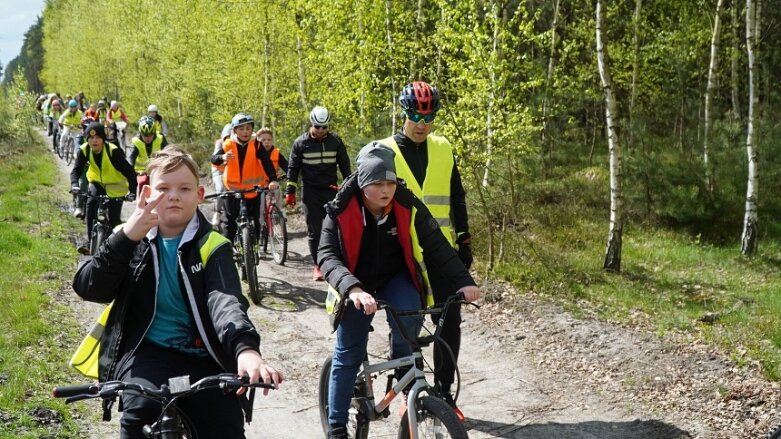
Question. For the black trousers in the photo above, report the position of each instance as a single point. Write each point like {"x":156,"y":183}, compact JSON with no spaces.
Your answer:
{"x":314,"y":200}
{"x":444,"y":364}
{"x":212,"y":414}
{"x":232,"y":207}
{"x":114,"y":208}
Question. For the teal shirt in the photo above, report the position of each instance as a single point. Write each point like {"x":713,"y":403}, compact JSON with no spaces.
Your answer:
{"x":173,"y":326}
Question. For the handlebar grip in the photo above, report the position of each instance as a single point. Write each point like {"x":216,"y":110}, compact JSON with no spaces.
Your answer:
{"x":81,"y":389}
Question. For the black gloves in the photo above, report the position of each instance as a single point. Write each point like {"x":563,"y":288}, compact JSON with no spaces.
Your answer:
{"x":464,"y":242}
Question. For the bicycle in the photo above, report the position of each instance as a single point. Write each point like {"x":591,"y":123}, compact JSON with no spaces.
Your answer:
{"x":68,"y":143}
{"x":426,"y":416}
{"x":245,"y":242}
{"x":273,"y":228}
{"x":172,"y":423}
{"x":101,"y":228}
{"x":56,"y":137}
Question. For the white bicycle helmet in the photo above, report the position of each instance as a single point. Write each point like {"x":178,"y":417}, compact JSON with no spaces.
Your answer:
{"x":226,"y":131}
{"x":152,"y":108}
{"x":320,"y":116}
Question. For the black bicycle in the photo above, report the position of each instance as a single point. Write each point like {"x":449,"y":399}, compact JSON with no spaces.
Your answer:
{"x":245,"y":244}
{"x":56,"y":137}
{"x":101,"y":227}
{"x":427,"y":414}
{"x":171,"y":424}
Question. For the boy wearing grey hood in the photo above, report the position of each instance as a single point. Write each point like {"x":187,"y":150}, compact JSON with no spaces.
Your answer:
{"x":377,"y":238}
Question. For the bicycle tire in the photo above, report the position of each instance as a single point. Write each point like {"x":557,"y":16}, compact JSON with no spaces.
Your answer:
{"x":251,"y":265}
{"x":69,"y":151}
{"x":277,"y":235}
{"x":56,"y":142}
{"x":60,"y":149}
{"x":357,"y":424}
{"x":436,"y":419}
{"x":775,"y":433}
{"x":98,"y":236}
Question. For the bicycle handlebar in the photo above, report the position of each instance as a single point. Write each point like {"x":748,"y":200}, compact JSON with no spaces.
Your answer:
{"x":110,"y":389}
{"x":236,"y":193}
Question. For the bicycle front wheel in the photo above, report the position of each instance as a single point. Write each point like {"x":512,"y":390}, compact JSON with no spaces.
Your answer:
{"x":775,"y":433}
{"x":436,"y":419}
{"x":250,"y":264}
{"x":278,"y":235}
{"x":357,"y":424}
{"x":98,"y":236}
{"x":69,"y":151}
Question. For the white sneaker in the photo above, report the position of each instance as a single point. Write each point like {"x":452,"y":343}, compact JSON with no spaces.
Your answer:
{"x":78,"y":213}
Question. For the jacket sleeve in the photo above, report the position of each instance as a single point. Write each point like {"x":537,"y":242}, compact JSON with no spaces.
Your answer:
{"x":458,"y":202}
{"x":97,"y":278}
{"x":133,"y":155}
{"x":78,"y":168}
{"x":437,"y":252}
{"x":227,"y":305}
{"x":331,"y":260}
{"x":293,"y":167}
{"x":343,"y":159}
{"x":283,"y":165}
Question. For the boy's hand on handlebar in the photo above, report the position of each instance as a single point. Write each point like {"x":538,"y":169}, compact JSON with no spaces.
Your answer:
{"x":362,"y":299}
{"x":471,"y":293}
{"x":251,"y":364}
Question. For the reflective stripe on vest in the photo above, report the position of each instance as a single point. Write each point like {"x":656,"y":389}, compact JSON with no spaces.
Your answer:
{"x":319,"y":158}
{"x":435,"y":192}
{"x":417,"y":254}
{"x":143,"y":158}
{"x":106,"y":175}
{"x":85,"y":359}
{"x":249,"y":175}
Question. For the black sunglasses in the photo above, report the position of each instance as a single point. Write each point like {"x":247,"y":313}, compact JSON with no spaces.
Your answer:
{"x":320,"y":127}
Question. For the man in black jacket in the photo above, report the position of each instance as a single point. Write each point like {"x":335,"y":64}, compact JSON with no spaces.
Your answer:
{"x":315,"y":155}
{"x":177,"y":304}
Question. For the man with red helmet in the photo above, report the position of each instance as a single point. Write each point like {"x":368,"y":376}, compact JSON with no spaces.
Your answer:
{"x":427,"y":164}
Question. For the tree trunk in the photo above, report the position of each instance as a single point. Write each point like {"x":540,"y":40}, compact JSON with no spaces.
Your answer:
{"x":546,"y":148}
{"x":388,"y":34}
{"x":749,"y":240}
{"x":301,"y":73}
{"x":613,"y":251}
{"x":635,"y":68}
{"x":734,"y":76}
{"x":266,"y":68}
{"x":413,"y":60}
{"x":491,"y":97}
{"x":714,"y":56}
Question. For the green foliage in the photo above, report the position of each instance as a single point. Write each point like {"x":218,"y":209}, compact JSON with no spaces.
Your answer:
{"x":35,"y":262}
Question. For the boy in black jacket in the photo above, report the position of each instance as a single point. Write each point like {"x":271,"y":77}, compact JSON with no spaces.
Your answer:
{"x":375,"y":239}
{"x":178,"y":308}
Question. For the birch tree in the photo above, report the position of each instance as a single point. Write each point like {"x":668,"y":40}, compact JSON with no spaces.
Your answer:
{"x":714,"y":56}
{"x":749,"y":240}
{"x":613,"y":251}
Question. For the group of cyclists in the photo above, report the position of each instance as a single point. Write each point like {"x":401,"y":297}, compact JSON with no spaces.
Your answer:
{"x":395,"y":228}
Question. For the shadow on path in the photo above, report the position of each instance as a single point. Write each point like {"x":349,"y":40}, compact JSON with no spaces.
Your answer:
{"x":279,"y":295}
{"x":636,"y":429}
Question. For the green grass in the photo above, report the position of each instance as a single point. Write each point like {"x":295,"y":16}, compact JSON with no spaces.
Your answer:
{"x":669,"y":279}
{"x":36,"y":261}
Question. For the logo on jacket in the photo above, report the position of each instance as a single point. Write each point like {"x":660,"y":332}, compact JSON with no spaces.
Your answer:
{"x":196,"y":268}
{"x":393,"y":231}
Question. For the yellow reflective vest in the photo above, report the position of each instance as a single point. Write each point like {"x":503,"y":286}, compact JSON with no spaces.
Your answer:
{"x":143,"y":158}
{"x":106,"y":174}
{"x":435,"y":192}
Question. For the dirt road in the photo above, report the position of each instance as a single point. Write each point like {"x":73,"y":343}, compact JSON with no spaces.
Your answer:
{"x":530,"y":370}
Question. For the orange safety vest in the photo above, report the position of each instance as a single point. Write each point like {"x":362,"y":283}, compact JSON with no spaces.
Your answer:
{"x":274,"y":156}
{"x":249,"y":175}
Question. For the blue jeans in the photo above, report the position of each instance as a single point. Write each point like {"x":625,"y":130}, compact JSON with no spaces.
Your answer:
{"x":352,"y":335}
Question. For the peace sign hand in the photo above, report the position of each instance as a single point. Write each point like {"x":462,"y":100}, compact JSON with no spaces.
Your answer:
{"x":144,"y":217}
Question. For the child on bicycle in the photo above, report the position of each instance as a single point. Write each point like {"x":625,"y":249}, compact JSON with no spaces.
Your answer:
{"x":376,"y":239}
{"x":266,"y":138}
{"x":178,"y":307}
{"x":108,"y":173}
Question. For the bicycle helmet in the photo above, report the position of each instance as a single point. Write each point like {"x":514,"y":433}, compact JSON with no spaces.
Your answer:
{"x":101,"y":104}
{"x":146,"y":126}
{"x":242,"y":119}
{"x":73,"y":104}
{"x":152,"y":108}
{"x":226,"y":131}
{"x":114,"y":104}
{"x":319,"y":116}
{"x":420,"y":98}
